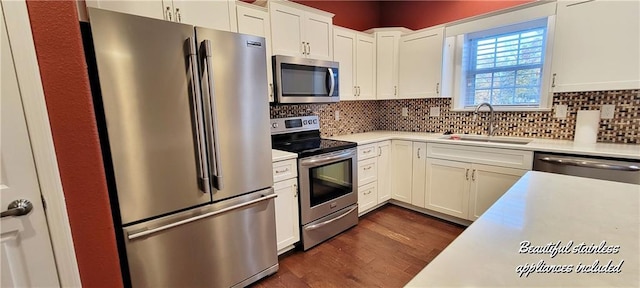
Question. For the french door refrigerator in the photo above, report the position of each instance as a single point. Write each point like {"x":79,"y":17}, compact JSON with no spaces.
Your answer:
{"x":182,"y":112}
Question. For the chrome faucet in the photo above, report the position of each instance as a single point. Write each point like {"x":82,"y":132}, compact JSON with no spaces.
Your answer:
{"x":491,"y":129}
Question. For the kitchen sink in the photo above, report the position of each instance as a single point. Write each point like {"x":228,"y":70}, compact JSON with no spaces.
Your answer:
{"x":493,"y":139}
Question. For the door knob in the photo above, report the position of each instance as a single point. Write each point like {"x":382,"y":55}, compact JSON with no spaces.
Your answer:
{"x":18,"y":208}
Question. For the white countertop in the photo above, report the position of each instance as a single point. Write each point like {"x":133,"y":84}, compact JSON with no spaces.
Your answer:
{"x":277,"y":155}
{"x":628,"y":151}
{"x":545,"y":208}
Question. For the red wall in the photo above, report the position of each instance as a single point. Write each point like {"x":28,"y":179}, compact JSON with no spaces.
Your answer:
{"x":357,"y":15}
{"x":421,"y":14}
{"x":56,"y":34}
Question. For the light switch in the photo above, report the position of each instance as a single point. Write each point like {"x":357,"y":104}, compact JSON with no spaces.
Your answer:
{"x":405,"y":111}
{"x":434,"y":112}
{"x":561,"y":111}
{"x":607,"y":111}
{"x":336,"y":115}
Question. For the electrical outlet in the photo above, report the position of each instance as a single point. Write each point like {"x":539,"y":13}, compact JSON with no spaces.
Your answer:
{"x":434,"y":112}
{"x":405,"y":111}
{"x":607,"y":111}
{"x":561,"y":111}
{"x":336,"y":115}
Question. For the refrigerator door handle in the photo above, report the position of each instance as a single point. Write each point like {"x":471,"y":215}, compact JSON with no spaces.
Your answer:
{"x":215,"y":142}
{"x":203,"y":166}
{"x":206,"y":215}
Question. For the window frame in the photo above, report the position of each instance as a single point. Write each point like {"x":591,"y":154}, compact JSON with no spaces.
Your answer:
{"x":460,"y":60}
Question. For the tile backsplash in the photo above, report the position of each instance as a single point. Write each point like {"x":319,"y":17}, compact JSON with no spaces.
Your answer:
{"x":364,"y":116}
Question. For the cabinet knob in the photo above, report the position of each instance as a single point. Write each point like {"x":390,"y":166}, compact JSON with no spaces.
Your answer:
{"x":553,"y":81}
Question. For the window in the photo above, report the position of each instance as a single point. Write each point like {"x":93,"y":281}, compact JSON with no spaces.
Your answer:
{"x":505,"y":69}
{"x":503,"y":59}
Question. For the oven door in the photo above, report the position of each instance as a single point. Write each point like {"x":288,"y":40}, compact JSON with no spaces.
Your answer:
{"x":327,"y":184}
{"x":301,"y":80}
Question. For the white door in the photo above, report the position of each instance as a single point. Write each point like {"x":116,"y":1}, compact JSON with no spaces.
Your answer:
{"x":318,"y":32}
{"x":387,"y":65}
{"x":401,"y":163}
{"x":344,"y":44}
{"x":488,"y":184}
{"x":448,"y":187}
{"x":287,"y":225}
{"x":286,"y":30}
{"x":149,"y":8}
{"x":219,"y":14}
{"x":384,"y":176}
{"x":256,"y":22}
{"x":366,"y":67}
{"x":420,"y":64}
{"x":25,"y":246}
{"x":419,"y":168}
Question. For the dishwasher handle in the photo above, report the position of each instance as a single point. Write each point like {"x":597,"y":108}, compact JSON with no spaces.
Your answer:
{"x":589,"y":164}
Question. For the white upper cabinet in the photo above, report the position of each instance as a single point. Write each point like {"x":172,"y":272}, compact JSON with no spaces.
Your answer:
{"x":420,"y":63}
{"x":596,"y":46}
{"x":219,"y":14}
{"x":344,"y":52}
{"x":387,"y":64}
{"x":355,"y":52}
{"x":151,"y":9}
{"x":366,"y":67}
{"x":254,"y":20}
{"x":298,"y":32}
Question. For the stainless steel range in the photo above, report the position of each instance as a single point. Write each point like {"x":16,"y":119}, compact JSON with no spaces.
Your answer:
{"x":327,"y":177}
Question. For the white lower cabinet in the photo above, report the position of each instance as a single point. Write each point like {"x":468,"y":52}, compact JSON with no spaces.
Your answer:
{"x":401,"y":170}
{"x":466,"y":189}
{"x":448,"y":187}
{"x":418,"y":168}
{"x":374,"y":181}
{"x":286,"y":205}
{"x":488,"y":184}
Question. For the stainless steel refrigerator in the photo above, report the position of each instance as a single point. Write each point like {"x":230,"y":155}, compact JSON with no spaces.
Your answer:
{"x":183,"y":112}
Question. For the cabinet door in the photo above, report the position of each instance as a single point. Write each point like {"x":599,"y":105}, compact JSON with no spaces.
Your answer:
{"x":418,"y":181}
{"x":344,"y":43}
{"x":366,"y":67}
{"x":384,"y":175}
{"x":286,"y":30}
{"x":488,"y":183}
{"x":219,"y":15}
{"x":387,"y":65}
{"x":401,"y":163}
{"x":367,"y":197}
{"x":153,"y":8}
{"x":318,"y":32}
{"x":254,"y":21}
{"x":420,"y":64}
{"x":602,"y":54}
{"x":286,"y":204}
{"x":367,"y":171}
{"x":448,"y":187}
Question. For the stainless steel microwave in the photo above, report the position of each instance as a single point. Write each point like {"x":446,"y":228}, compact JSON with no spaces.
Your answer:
{"x":302,"y":80}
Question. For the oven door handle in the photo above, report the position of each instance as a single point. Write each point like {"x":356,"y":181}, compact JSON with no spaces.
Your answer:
{"x":320,"y":225}
{"x":328,"y":159}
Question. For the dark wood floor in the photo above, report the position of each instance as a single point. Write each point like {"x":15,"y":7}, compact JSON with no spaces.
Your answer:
{"x":386,"y":249}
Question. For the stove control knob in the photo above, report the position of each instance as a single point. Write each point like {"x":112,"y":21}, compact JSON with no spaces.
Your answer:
{"x":274,"y":125}
{"x":315,"y":121}
{"x":304,"y":122}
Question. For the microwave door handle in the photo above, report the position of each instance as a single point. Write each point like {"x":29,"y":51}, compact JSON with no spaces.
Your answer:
{"x":196,"y":95}
{"x":332,"y":81}
{"x":215,"y":142}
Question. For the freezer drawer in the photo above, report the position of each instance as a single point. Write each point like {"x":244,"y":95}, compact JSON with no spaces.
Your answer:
{"x":221,"y":245}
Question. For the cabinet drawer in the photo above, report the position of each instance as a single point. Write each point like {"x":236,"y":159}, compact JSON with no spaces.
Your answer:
{"x":367,"y":197}
{"x":490,"y":156}
{"x":366,"y":151}
{"x":283,"y":170}
{"x":367,"y":171}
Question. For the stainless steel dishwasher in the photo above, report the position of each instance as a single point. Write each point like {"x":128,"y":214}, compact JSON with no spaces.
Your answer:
{"x":620,"y":170}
